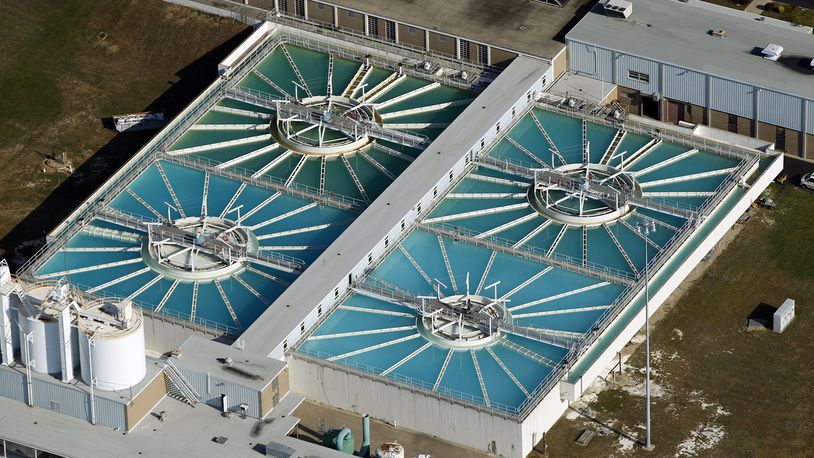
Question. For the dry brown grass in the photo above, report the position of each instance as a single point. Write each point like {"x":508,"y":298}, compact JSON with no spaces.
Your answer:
{"x":741,"y":393}
{"x":59,"y":78}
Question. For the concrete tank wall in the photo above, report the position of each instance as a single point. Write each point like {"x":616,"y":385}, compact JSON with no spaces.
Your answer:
{"x":405,"y":407}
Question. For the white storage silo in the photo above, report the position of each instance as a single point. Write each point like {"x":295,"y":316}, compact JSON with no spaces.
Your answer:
{"x":43,"y":346}
{"x":40,"y":321}
{"x":116,"y":358}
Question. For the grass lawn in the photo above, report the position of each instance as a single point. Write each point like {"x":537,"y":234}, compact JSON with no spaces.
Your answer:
{"x":792,"y":13}
{"x":720,"y":390}
{"x":66,"y":65}
{"x":736,"y":4}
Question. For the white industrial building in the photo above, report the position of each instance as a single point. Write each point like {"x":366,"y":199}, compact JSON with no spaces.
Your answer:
{"x":699,"y":63}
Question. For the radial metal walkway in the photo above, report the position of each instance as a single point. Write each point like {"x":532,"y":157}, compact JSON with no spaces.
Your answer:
{"x":315,"y":116}
{"x":551,"y":179}
{"x":425,"y":306}
{"x":204,"y":243}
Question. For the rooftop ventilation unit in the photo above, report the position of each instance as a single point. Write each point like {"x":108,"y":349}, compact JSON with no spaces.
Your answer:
{"x":772,"y":52}
{"x":619,"y":8}
{"x":720,"y":33}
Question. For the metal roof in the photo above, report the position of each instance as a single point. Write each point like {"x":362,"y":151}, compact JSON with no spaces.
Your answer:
{"x":202,"y":355}
{"x":188,"y":432}
{"x":678,"y":33}
{"x":531,"y":28}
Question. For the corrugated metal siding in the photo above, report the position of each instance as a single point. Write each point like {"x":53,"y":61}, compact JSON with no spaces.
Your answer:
{"x":197,"y":380}
{"x":72,"y":402}
{"x":780,"y":109}
{"x":810,"y":127}
{"x":236,"y":394}
{"x":12,"y":384}
{"x":731,"y":97}
{"x":590,"y":60}
{"x":685,"y":85}
{"x":111,"y":413}
{"x":626,"y":63}
{"x":61,"y":398}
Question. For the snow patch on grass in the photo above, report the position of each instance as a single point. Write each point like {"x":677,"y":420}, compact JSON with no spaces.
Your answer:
{"x":705,"y":436}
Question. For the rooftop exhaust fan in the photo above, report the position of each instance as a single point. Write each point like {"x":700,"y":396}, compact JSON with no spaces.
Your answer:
{"x":720,"y":33}
{"x":619,"y":8}
{"x":772,"y":52}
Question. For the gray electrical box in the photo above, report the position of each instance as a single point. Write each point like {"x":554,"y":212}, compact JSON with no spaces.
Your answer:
{"x":279,"y":450}
{"x":783,"y":316}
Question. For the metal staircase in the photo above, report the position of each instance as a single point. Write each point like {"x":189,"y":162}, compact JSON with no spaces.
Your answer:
{"x":628,"y":161}
{"x":205,"y":194}
{"x":330,"y":84}
{"x":194,"y":302}
{"x":358,"y":79}
{"x":617,"y":139}
{"x":178,"y":386}
{"x":381,"y":88}
{"x":322,"y":165}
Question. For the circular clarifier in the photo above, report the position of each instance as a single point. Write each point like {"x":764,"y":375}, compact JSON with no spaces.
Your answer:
{"x":465,"y":321}
{"x":198,"y":248}
{"x":584,"y":194}
{"x":315,"y":137}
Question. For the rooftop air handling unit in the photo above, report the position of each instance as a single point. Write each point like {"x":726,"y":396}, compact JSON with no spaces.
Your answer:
{"x":772,"y":52}
{"x":618,"y":8}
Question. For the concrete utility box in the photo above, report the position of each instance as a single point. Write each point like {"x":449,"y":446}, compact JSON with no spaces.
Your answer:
{"x":279,"y":450}
{"x":568,"y":391}
{"x":783,"y":316}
